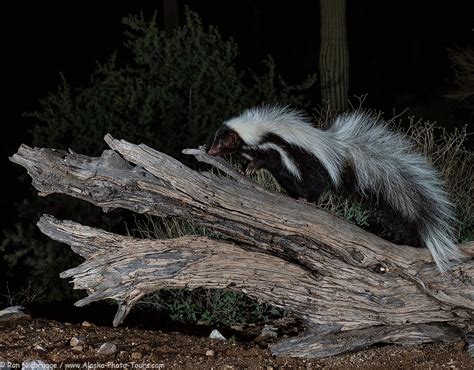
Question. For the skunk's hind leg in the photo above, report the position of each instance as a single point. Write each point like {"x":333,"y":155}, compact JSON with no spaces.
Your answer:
{"x":398,"y":230}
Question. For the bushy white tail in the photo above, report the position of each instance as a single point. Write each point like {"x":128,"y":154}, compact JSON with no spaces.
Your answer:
{"x":385,"y":164}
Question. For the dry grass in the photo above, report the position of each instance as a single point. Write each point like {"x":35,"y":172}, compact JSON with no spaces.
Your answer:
{"x":451,"y":157}
{"x":154,"y":227}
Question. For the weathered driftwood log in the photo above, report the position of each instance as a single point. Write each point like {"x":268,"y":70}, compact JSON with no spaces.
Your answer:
{"x":351,"y":288}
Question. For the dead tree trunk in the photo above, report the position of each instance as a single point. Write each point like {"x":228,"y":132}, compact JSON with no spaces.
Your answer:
{"x":351,"y":288}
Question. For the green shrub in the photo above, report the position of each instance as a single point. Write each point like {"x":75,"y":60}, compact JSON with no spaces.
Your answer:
{"x":173,"y":94}
{"x":213,"y":306}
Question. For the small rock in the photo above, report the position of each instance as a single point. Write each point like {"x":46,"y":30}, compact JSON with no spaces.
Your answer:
{"x":470,"y":344}
{"x":35,"y":365}
{"x":75,"y":341}
{"x":107,"y":349}
{"x":210,"y":353}
{"x":270,"y":368}
{"x":459,"y":346}
{"x":215,"y":334}
{"x":269,"y":331}
{"x":247,"y":329}
{"x":470,"y":350}
{"x":78,"y":348}
{"x":136,"y":356}
{"x":144,"y":348}
{"x":38,"y":348}
{"x":238,"y":327}
{"x":13,"y":313}
{"x":123,"y":355}
{"x":87,"y":324}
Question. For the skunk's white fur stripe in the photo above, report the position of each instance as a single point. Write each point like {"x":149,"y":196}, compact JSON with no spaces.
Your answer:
{"x":383,"y":162}
{"x":247,"y":156}
{"x":255,"y":123}
{"x":285,"y":159}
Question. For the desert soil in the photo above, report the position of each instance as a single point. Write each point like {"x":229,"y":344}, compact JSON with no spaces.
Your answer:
{"x":50,"y":341}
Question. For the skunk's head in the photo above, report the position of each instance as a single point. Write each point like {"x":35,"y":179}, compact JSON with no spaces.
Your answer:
{"x":226,"y":141}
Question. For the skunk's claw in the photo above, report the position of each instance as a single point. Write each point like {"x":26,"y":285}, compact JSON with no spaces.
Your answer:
{"x":250,"y":171}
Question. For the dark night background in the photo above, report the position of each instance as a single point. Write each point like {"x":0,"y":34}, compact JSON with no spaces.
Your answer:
{"x":398,"y":54}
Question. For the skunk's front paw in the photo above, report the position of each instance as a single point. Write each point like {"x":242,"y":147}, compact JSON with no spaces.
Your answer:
{"x":249,"y":169}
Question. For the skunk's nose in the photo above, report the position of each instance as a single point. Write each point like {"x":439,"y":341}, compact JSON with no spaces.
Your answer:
{"x":213,"y":150}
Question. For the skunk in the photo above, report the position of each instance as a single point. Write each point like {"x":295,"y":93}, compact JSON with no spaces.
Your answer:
{"x":357,"y":153}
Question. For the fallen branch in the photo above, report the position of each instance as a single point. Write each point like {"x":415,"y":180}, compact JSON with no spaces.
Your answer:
{"x":351,"y":288}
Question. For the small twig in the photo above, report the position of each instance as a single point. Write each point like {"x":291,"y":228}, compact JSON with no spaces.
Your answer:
{"x":218,"y":162}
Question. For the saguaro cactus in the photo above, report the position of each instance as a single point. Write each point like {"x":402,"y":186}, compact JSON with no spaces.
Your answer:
{"x":334,"y":54}
{"x":170,"y":15}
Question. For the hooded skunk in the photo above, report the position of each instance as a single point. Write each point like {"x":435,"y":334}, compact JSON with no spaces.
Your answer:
{"x":306,"y":161}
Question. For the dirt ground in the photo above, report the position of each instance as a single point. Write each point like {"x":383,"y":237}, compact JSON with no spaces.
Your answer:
{"x":50,"y":341}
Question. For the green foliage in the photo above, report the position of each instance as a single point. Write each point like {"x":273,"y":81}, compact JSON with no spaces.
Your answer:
{"x":466,"y":228}
{"x":215,"y":307}
{"x":352,"y":210}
